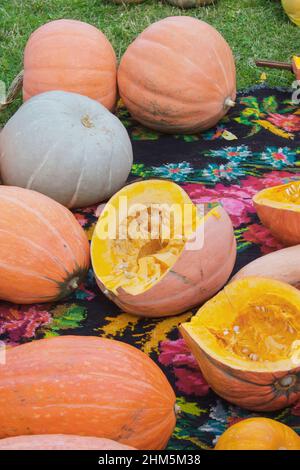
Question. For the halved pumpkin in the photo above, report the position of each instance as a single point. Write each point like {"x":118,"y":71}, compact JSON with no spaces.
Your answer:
{"x":279,"y":210}
{"x":247,"y":343}
{"x":164,"y":257}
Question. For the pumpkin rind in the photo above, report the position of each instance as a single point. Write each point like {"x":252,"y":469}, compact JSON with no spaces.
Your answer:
{"x":86,"y":386}
{"x":279,"y":210}
{"x":282,"y":265}
{"x":199,"y":271}
{"x":253,"y":385}
{"x":78,"y":153}
{"x":60,"y":442}
{"x":44,"y":252}
{"x":259,"y":434}
{"x":178,"y":76}
{"x":72,"y":56}
{"x":292,"y":9}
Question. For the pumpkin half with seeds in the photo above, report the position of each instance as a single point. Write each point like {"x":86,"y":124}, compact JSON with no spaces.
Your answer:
{"x":166,"y":255}
{"x":279,"y":210}
{"x":247,"y":343}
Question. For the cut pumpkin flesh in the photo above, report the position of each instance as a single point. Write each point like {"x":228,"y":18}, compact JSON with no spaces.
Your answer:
{"x":279,"y":209}
{"x":247,"y":342}
{"x":155,"y":224}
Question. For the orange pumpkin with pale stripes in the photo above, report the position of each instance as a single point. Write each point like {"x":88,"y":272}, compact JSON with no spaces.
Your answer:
{"x":44,"y":253}
{"x":178,"y":76}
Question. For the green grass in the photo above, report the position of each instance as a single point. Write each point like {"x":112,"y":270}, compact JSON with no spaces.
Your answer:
{"x":253,"y":28}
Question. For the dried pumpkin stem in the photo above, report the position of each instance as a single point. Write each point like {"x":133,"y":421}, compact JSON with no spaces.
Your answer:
{"x":13,"y":91}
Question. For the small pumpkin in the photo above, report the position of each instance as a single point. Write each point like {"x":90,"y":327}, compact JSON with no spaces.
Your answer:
{"x":72,"y":56}
{"x":278,"y":208}
{"x":190,"y":3}
{"x":258,"y":434}
{"x":178,"y":76}
{"x":44,"y":252}
{"x":292,"y":9}
{"x":87,"y":386}
{"x":246,"y":341}
{"x":60,"y":442}
{"x":163,"y":258}
{"x":282,"y":265}
{"x":69,"y":147}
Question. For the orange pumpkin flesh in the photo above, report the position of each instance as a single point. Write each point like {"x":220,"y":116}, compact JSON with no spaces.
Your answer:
{"x":86,"y":386}
{"x":259,"y":434}
{"x":71,"y":56}
{"x":44,"y":253}
{"x":279,"y":210}
{"x":60,"y":442}
{"x":246,"y":341}
{"x":178,"y":76}
{"x":161,"y":273}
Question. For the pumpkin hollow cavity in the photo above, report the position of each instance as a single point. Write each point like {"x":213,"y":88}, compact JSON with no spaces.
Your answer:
{"x":146,"y":247}
{"x":251,"y":323}
{"x":149,"y":235}
{"x":285,"y":196}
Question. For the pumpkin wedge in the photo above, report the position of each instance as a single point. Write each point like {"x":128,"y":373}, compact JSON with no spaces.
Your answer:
{"x":44,"y":252}
{"x":60,"y":442}
{"x":259,"y":434}
{"x":247,"y":343}
{"x":164,"y":257}
{"x":278,"y":208}
{"x":86,"y":386}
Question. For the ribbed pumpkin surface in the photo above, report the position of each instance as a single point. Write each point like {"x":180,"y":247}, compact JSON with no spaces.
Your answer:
{"x":72,"y":56}
{"x":86,"y":386}
{"x":60,"y":442}
{"x":178,"y":75}
{"x":44,"y":252}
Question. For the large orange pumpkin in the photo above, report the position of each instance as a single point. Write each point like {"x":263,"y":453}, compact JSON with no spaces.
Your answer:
{"x":86,"y":386}
{"x":259,"y":434}
{"x":178,"y":76}
{"x":71,"y":56}
{"x":246,"y":341}
{"x":172,"y":262}
{"x":60,"y":442}
{"x":278,"y":208}
{"x":44,"y":253}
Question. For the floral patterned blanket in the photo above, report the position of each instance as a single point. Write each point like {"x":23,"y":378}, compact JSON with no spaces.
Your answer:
{"x":256,"y":146}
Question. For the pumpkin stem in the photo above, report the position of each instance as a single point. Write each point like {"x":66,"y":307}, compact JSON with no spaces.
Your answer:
{"x":229,"y":103}
{"x":177,"y":409}
{"x":86,"y":121}
{"x":13,"y":90}
{"x":73,"y":284}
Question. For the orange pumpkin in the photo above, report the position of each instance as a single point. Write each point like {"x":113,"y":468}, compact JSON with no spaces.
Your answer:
{"x":178,"y":76}
{"x":259,"y":434}
{"x":44,"y":253}
{"x":278,"y":208}
{"x":86,"y":386}
{"x":60,"y":442}
{"x":246,"y":341}
{"x":71,"y":56}
{"x":172,"y":262}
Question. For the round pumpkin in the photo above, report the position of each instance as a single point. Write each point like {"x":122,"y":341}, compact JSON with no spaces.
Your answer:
{"x":259,"y":434}
{"x":44,"y":252}
{"x":190,"y":3}
{"x":69,"y":147}
{"x":87,"y":386}
{"x":282,"y":265}
{"x":163,"y":258}
{"x":178,"y":76}
{"x":246,"y":341}
{"x":278,"y":209}
{"x":60,"y":442}
{"x":72,"y":56}
{"x":292,"y":9}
